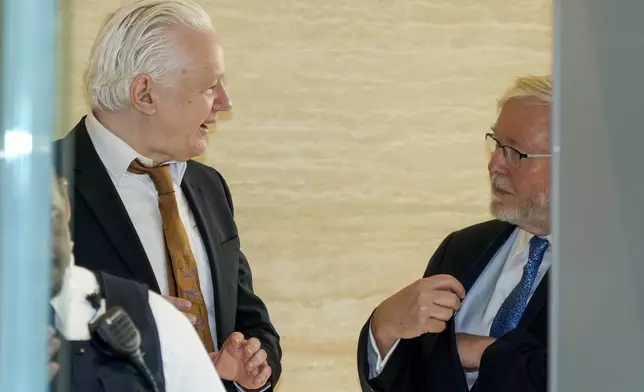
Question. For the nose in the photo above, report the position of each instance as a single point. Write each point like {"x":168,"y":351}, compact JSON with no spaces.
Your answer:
{"x":222,"y":100}
{"x":497,"y":163}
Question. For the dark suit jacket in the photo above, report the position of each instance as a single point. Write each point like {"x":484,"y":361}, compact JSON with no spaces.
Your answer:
{"x":517,"y":362}
{"x":105,"y":239}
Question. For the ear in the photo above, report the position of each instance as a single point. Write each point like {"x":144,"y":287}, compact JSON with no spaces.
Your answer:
{"x":142,"y":94}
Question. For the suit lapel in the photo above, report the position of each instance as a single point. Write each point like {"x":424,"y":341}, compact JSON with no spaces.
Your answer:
{"x":539,"y":298}
{"x":94,"y":184}
{"x":476,"y":269}
{"x":198,"y":203}
{"x":469,"y":277}
{"x":536,"y":303}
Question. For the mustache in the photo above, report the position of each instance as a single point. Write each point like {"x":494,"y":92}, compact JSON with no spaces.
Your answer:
{"x":499,"y":181}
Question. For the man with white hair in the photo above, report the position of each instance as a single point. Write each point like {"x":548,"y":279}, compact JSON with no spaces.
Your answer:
{"x":143,"y":209}
{"x":478,"y":319}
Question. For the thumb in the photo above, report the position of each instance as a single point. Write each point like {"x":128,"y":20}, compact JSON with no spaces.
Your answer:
{"x":214,"y":357}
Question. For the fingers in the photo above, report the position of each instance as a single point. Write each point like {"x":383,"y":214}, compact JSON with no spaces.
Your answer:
{"x":214,"y":357}
{"x":448,"y":299}
{"x":184,"y":306}
{"x":264,"y":373}
{"x":446,"y":282}
{"x":251,"y":347}
{"x":433,"y":325}
{"x":54,"y":346}
{"x":53,"y":369}
{"x":255,"y":361}
{"x":441,"y":313}
{"x":234,"y":341}
{"x":181,"y":304}
{"x":54,"y":342}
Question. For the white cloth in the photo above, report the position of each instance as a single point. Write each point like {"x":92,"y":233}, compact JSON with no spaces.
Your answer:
{"x":140,"y":198}
{"x":486,"y":296}
{"x":186,"y":364}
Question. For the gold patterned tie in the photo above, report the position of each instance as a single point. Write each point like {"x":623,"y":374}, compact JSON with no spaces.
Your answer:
{"x":183,"y":279}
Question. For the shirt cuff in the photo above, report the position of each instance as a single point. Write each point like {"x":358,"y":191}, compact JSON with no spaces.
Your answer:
{"x":262,"y":389}
{"x":375,"y":361}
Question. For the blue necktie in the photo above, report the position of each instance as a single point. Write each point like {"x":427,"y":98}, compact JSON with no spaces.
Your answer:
{"x":513,"y":307}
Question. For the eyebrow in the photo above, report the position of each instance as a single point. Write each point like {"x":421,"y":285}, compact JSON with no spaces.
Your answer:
{"x":510,"y":142}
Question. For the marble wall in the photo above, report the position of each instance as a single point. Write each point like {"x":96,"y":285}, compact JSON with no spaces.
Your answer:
{"x":355,"y":146}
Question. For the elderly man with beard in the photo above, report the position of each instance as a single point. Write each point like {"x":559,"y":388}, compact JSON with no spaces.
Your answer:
{"x":478,"y":319}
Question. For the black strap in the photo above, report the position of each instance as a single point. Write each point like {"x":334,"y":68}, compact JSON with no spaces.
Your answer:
{"x":128,"y":294}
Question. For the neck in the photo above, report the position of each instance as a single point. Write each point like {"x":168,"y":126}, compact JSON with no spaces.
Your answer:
{"x":133,"y":129}
{"x":540,"y":229}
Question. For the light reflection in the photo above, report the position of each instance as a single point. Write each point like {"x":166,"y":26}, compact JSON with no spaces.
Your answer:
{"x":17,"y":143}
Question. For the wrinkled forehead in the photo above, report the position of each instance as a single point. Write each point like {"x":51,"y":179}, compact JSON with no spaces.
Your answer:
{"x":201,"y":51}
{"x":207,"y":64}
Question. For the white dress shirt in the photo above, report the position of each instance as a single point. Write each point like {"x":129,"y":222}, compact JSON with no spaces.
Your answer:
{"x":485,"y":297}
{"x":186,"y":364}
{"x":140,"y":198}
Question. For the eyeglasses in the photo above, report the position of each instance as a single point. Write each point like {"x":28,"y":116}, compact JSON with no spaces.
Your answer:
{"x":512,"y":156}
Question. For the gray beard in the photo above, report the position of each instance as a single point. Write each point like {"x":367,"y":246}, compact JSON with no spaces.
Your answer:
{"x":536,"y":209}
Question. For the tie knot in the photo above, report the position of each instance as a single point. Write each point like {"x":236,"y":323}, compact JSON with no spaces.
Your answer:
{"x":539,"y":242}
{"x":538,"y":247}
{"x":160,"y":175}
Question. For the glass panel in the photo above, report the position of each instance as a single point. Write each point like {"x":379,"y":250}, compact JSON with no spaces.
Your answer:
{"x":28,"y":119}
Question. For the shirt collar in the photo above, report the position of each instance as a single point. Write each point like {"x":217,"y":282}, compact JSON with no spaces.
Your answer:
{"x":117,"y":155}
{"x":523,"y":240}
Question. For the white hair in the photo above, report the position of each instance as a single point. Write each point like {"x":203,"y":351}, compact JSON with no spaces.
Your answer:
{"x":135,"y":40}
{"x":537,"y":86}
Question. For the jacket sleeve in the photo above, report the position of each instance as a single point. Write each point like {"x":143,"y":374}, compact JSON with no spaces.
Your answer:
{"x":252,"y":317}
{"x":400,"y":372}
{"x":515,"y":362}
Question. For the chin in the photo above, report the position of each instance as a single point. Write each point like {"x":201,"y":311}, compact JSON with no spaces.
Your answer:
{"x":193,"y":153}
{"x":196,"y":146}
{"x":505,"y":213}
{"x":495,"y":207}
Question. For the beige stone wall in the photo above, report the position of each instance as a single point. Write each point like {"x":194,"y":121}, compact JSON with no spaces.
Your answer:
{"x":356,"y":145}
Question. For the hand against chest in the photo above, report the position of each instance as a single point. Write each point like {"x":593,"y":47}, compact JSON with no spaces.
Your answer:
{"x":425,"y":306}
